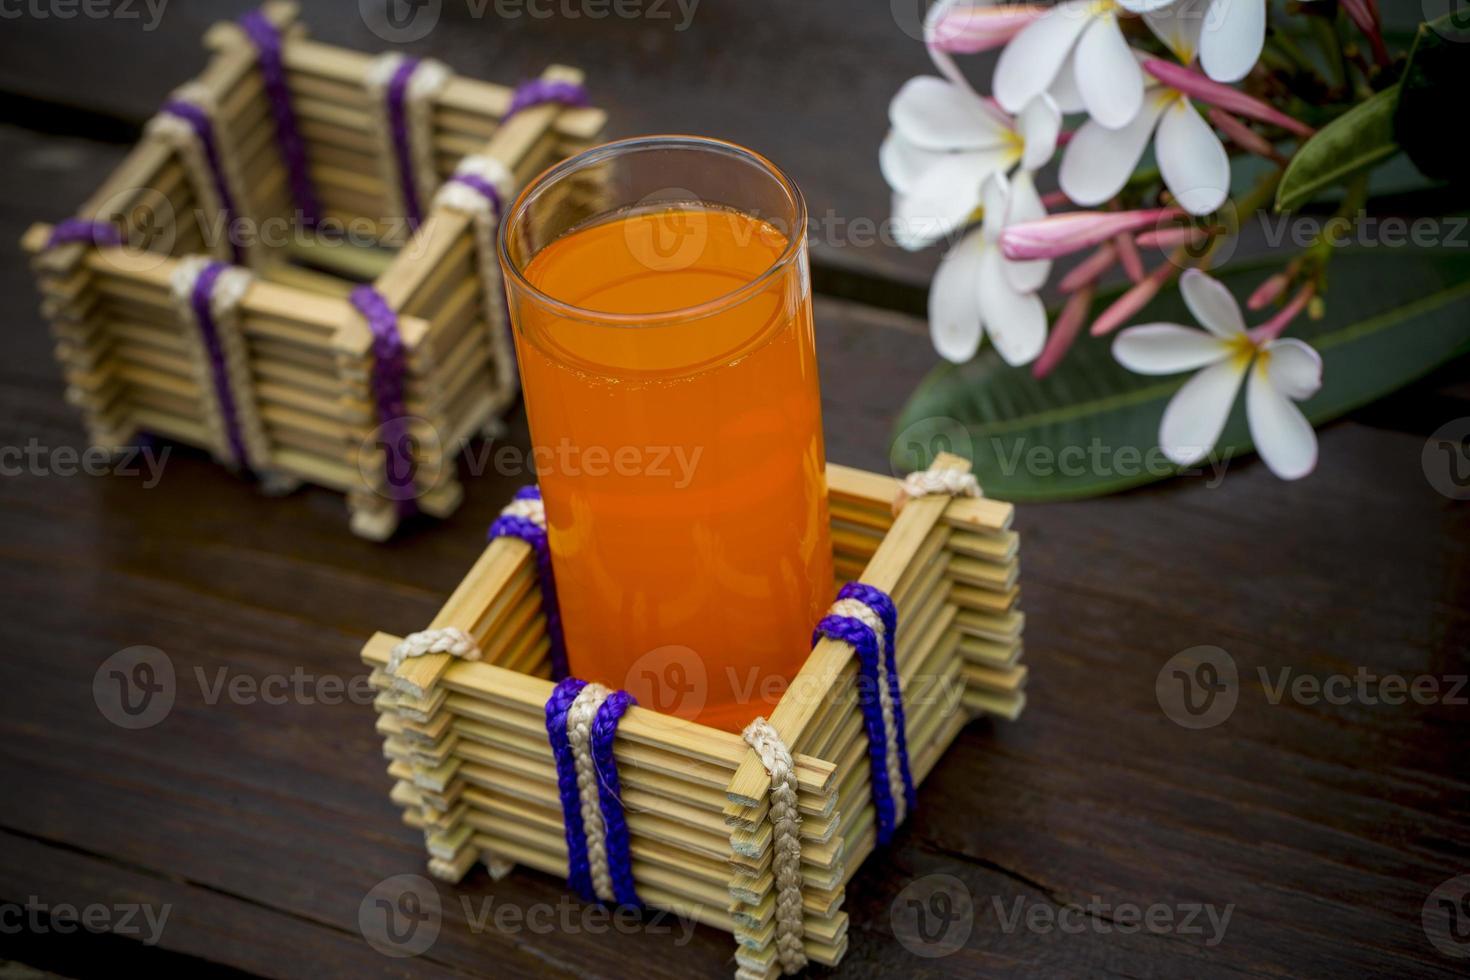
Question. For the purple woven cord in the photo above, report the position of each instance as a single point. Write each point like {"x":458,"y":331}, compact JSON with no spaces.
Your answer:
{"x":203,"y":127}
{"x":535,"y":536}
{"x":873,"y":672}
{"x":389,"y":369}
{"x":540,"y":91}
{"x":402,"y":147}
{"x":73,"y":230}
{"x":199,"y":299}
{"x":579,"y":869}
{"x":267,"y":40}
{"x":610,"y":795}
{"x":882,"y":604}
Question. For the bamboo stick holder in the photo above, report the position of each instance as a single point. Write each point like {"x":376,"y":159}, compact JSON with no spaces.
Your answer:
{"x":131,"y":368}
{"x":471,"y":767}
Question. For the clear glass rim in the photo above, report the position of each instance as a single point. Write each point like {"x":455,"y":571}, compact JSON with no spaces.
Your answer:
{"x":795,"y":239}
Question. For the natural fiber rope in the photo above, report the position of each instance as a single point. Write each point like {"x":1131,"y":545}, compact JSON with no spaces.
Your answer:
{"x":925,"y":483}
{"x":403,"y":90}
{"x":446,"y":639}
{"x":785,"y":819}
{"x":207,"y":297}
{"x":478,"y":189}
{"x":579,"y":737}
{"x":581,"y":725}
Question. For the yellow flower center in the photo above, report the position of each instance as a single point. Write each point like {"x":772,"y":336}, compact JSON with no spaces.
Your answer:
{"x":1242,"y":349}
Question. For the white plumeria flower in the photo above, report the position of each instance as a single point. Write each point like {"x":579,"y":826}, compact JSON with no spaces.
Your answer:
{"x":1228,"y":35}
{"x":978,"y":290}
{"x":1282,"y":372}
{"x":1080,"y":39}
{"x":1192,"y":160}
{"x":945,"y":141}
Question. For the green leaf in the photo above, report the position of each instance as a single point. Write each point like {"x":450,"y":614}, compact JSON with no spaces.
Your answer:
{"x":1359,"y":138}
{"x":1091,"y":427}
{"x":1431,"y":91}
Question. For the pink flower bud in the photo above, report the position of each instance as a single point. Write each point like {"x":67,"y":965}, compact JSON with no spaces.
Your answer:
{"x":1132,"y":301}
{"x":1064,"y":331}
{"x":968,"y":28}
{"x":1198,"y":86}
{"x":1267,"y":291}
{"x":1063,"y":234}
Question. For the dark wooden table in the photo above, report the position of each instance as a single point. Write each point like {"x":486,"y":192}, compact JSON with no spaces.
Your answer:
{"x":259,"y":822}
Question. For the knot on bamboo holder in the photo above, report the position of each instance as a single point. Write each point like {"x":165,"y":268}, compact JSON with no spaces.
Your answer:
{"x":927,"y":483}
{"x":866,"y":619}
{"x":186,"y":122}
{"x":403,"y":91}
{"x":581,"y":722}
{"x":785,"y":819}
{"x":207,"y":296}
{"x":448,"y":639}
{"x":525,"y":518}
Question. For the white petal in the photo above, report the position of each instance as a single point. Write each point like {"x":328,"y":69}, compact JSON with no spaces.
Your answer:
{"x":934,"y":114}
{"x":1108,"y":74}
{"x":1211,"y":303}
{"x":902,"y":163}
{"x":1032,"y":58}
{"x":1098,"y":161}
{"x":1039,"y":124}
{"x":1294,"y":368}
{"x":1233,"y":36}
{"x":1016,"y":321}
{"x":1143,"y":6}
{"x":1064,"y":91}
{"x":1197,"y":413}
{"x":1025,"y":205}
{"x":995,"y":195}
{"x":1282,"y":434}
{"x":1166,"y":348}
{"x":954,"y":301}
{"x":944,"y":197}
{"x":1192,"y":159}
{"x":1178,"y":26}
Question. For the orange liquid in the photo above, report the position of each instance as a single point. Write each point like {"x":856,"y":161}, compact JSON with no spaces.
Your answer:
{"x":680,"y":460}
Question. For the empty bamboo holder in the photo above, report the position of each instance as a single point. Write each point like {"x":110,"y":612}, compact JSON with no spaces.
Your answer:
{"x":299,"y":361}
{"x":471,"y":767}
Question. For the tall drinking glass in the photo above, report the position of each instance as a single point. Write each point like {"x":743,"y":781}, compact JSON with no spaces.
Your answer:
{"x":661,"y":303}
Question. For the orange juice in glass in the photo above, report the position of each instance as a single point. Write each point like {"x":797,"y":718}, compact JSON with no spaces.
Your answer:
{"x":660,"y":298}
